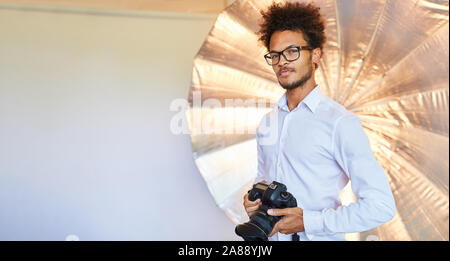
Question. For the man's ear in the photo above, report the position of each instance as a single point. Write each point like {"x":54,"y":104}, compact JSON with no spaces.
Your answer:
{"x":316,"y":54}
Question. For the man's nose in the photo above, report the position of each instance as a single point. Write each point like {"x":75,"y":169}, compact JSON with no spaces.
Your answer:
{"x":283,"y":60}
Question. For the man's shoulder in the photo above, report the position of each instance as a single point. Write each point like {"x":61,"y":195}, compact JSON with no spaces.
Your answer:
{"x":333,"y":111}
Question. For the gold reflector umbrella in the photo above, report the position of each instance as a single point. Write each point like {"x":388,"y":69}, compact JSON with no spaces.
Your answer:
{"x":385,"y":60}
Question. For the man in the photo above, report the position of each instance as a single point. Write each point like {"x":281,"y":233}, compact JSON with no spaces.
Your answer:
{"x":320,"y":145}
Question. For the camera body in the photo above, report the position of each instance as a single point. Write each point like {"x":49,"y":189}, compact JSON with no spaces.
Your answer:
{"x":274,"y":195}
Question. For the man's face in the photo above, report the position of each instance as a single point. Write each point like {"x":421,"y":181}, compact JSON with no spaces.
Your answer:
{"x":291,"y":74}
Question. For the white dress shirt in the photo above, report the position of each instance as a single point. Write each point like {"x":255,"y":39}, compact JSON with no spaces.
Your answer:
{"x":319,"y":147}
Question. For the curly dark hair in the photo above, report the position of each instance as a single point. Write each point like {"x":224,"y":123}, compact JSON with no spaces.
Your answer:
{"x":294,"y":17}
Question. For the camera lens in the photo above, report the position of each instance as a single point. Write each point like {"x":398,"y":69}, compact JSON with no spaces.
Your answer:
{"x":258,"y":228}
{"x":250,"y":232}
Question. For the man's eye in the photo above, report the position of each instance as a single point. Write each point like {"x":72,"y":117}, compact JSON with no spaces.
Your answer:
{"x":292,"y":51}
{"x":274,"y":56}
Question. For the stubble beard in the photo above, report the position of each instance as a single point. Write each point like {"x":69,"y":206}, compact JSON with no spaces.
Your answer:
{"x":298,"y":83}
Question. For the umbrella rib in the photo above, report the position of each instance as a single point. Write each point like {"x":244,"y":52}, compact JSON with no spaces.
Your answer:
{"x":338,"y":31}
{"x":396,"y":98}
{"x":401,"y":213}
{"x":441,"y":192}
{"x":247,"y":73}
{"x":371,"y":87}
{"x":363,"y":59}
{"x":418,"y":175}
{"x":324,"y":77}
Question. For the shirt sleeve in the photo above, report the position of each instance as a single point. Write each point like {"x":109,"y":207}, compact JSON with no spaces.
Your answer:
{"x":375,"y":204}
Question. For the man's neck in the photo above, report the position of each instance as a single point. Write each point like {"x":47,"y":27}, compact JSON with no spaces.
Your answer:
{"x":295,"y":96}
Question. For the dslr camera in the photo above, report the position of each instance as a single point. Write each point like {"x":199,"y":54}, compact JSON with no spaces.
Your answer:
{"x":261,"y":224}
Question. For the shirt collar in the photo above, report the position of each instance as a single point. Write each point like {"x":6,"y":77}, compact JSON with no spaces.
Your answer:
{"x":311,"y":100}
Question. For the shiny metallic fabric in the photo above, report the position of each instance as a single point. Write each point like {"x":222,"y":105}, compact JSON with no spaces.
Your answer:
{"x":385,"y":60}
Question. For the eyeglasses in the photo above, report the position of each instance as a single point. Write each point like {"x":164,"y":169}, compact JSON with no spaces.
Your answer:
{"x":290,"y":54}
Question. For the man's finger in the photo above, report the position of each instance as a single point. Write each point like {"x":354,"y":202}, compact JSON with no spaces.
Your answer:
{"x":252,"y":209}
{"x":278,"y":212}
{"x":274,"y":230}
{"x":252,"y":203}
{"x":246,"y":199}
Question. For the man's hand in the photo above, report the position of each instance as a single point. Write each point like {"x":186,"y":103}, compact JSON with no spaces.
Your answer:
{"x":292,"y":222}
{"x":251,"y":207}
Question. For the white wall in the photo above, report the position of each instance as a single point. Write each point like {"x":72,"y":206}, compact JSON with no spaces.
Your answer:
{"x":85,"y":145}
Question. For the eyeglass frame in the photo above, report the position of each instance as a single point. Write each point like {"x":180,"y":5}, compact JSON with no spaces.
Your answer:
{"x":299,"y":48}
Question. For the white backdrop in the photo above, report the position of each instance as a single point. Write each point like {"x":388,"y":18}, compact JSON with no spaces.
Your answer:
{"x":85,"y":145}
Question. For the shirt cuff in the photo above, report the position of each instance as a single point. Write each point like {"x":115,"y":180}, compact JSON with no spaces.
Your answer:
{"x":313,"y":222}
